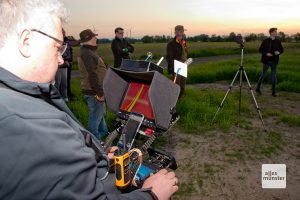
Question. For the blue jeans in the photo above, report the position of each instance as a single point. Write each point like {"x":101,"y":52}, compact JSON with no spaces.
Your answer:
{"x":264,"y":74}
{"x":96,"y":123}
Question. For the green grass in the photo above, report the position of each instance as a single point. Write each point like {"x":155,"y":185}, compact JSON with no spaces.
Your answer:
{"x":196,"y":110}
{"x":78,"y":105}
{"x":291,"y":120}
{"x":239,"y":155}
{"x":196,"y":49}
{"x":185,"y":188}
{"x":198,"y":107}
{"x":273,"y":144}
{"x":80,"y":109}
{"x":210,"y":169}
{"x":288,"y":70}
{"x":158,"y":50}
{"x":253,"y":145}
{"x":271,"y":113}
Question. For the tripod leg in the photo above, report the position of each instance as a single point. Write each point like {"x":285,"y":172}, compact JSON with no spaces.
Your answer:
{"x":241,"y":80}
{"x":222,"y":102}
{"x":255,"y":102}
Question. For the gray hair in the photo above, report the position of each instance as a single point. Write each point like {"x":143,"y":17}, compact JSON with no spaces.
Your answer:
{"x":18,"y":14}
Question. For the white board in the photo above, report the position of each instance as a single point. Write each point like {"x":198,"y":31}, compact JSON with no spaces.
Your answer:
{"x":180,"y":68}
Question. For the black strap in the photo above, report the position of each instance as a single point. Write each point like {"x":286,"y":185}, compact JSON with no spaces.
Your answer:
{"x":2,"y":85}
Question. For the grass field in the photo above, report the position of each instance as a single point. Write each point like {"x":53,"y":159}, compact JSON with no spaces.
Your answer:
{"x":288,"y":78}
{"x":79,"y":106}
{"x":223,"y":160}
{"x":196,"y":49}
{"x":288,"y":71}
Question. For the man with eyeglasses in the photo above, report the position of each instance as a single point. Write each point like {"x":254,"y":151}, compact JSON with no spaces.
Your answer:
{"x":45,"y":152}
{"x":120,"y":47}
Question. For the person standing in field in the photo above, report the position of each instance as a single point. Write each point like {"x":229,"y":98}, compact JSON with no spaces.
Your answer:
{"x":92,"y":70}
{"x":68,"y":58}
{"x":120,"y":47}
{"x":177,"y":50}
{"x":61,"y":74}
{"x":270,"y":50}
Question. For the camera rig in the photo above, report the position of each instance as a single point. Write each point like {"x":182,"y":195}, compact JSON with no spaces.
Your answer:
{"x":144,"y":102}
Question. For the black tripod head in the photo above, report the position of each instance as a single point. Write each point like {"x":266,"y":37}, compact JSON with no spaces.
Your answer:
{"x":240,"y":40}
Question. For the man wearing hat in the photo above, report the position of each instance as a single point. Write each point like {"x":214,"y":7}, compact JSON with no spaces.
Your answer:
{"x":177,"y":50}
{"x":92,"y":70}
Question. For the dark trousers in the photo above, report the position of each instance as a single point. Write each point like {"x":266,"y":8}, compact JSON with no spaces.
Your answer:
{"x":69,"y":70}
{"x":181,"y":81}
{"x":61,"y":81}
{"x":266,"y":66}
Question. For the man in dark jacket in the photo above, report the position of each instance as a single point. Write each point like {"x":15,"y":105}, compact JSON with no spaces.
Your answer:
{"x":63,"y":74}
{"x":92,"y":70}
{"x":68,"y":58}
{"x":120,"y":47}
{"x":61,"y":77}
{"x":177,"y":50}
{"x":45,"y":152}
{"x":270,"y":50}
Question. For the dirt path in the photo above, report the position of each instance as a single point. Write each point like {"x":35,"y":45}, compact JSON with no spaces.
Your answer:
{"x":206,"y":59}
{"x":216,"y":165}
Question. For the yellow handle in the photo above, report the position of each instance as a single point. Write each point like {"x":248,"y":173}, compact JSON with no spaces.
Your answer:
{"x":135,"y":99}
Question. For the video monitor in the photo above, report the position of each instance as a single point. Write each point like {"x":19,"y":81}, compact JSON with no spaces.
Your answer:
{"x":148,"y":93}
{"x":137,"y":100}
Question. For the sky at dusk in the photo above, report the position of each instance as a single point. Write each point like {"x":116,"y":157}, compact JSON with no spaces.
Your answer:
{"x":158,"y":17}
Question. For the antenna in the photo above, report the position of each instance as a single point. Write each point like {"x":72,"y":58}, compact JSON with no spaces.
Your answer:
{"x":94,"y":29}
{"x":130,"y":32}
{"x":171,"y":31}
{"x":149,"y":56}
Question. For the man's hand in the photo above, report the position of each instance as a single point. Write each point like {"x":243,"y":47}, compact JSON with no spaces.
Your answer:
{"x":100,"y":99}
{"x":111,"y":151}
{"x":163,"y":184}
{"x":277,"y":53}
{"x":269,"y":55}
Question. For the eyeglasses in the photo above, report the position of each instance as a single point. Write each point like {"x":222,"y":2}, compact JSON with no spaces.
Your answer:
{"x":62,"y":47}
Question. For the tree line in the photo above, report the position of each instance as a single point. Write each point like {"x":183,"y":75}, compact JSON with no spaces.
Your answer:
{"x":211,"y":38}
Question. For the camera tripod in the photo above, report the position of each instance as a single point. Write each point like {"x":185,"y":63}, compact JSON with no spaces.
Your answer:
{"x":241,"y":71}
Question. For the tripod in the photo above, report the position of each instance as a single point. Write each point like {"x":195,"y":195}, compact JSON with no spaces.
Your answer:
{"x":241,"y":71}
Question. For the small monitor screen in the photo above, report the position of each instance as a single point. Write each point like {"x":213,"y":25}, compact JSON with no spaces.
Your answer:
{"x":137,"y":100}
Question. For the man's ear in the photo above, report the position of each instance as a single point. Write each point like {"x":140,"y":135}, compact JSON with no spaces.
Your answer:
{"x":25,"y":42}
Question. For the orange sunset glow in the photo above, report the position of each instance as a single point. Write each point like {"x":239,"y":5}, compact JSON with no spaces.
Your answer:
{"x":158,"y":17}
